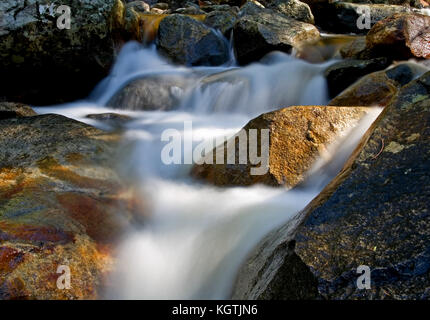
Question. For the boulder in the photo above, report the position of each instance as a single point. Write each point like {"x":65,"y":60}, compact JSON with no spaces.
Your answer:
{"x":401,"y":36}
{"x":374,"y":213}
{"x":151,"y":93}
{"x":15,"y":110}
{"x":45,"y":64}
{"x":342,"y":74}
{"x":260,"y":31}
{"x":344,"y":17}
{"x":291,"y":8}
{"x":354,"y":48}
{"x":61,"y":204}
{"x":378,"y":88}
{"x":187,"y":41}
{"x":297,"y":137}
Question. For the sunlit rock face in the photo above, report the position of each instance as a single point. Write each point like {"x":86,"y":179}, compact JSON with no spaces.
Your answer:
{"x":298,"y":136}
{"x":61,"y":203}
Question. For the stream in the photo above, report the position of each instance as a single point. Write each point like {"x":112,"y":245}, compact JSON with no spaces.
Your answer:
{"x":195,"y":236}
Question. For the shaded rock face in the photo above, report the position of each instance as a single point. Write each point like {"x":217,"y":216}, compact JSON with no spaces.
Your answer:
{"x":297,"y":137}
{"x":260,"y":31}
{"x":151,"y":93}
{"x":378,"y":88}
{"x":374,"y":213}
{"x":61,"y":203}
{"x":15,"y":110}
{"x":190,"y":42}
{"x":344,"y":73}
{"x":401,"y":36}
{"x":45,"y":64}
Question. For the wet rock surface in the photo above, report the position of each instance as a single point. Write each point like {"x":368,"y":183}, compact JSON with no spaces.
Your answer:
{"x":374,"y":213}
{"x":298,"y":135}
{"x":61,"y":203}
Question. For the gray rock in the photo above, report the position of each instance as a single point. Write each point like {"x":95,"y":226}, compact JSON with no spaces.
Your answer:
{"x":260,"y":31}
{"x":291,"y":8}
{"x":221,"y":20}
{"x":43,"y":62}
{"x":187,"y":41}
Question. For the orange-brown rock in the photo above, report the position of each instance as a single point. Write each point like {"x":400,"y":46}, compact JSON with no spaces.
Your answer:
{"x":61,"y":203}
{"x":401,"y":36}
{"x":298,"y":136}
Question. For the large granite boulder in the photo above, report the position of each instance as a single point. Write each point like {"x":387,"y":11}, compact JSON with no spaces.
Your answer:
{"x":375,"y":214}
{"x":61,"y":206}
{"x":297,"y":137}
{"x":44,"y":60}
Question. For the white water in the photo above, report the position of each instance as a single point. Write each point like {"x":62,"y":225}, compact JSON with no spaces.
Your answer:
{"x":195,"y":237}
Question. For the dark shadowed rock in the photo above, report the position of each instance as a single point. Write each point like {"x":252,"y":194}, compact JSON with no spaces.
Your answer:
{"x":298,"y":136}
{"x":344,"y":73}
{"x":187,"y":41}
{"x":374,"y":213}
{"x":260,"y":31}
{"x":61,"y":203}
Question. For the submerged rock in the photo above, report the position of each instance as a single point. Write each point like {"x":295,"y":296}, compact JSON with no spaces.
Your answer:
{"x":401,"y":36}
{"x":61,"y":203}
{"x":344,"y":73}
{"x":378,"y":88}
{"x":297,"y":135}
{"x":374,"y":213}
{"x":46,"y":63}
{"x":260,"y":31}
{"x":187,"y":41}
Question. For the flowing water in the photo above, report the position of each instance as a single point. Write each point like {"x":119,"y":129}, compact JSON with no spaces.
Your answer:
{"x":194,"y":236}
